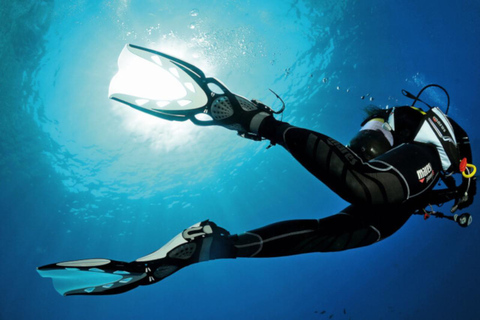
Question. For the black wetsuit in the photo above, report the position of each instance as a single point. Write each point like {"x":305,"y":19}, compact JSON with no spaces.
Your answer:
{"x":384,"y":192}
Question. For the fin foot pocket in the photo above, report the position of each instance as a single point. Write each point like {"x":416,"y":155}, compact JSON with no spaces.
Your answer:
{"x":183,"y":252}
{"x":164,"y":271}
{"x":221,"y":109}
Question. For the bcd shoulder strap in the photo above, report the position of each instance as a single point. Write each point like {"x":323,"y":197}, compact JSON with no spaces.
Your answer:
{"x":436,"y":129}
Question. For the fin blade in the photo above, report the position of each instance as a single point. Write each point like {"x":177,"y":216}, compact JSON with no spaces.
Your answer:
{"x":162,"y":82}
{"x":92,"y":277}
{"x":199,"y":73}
{"x":172,"y":116}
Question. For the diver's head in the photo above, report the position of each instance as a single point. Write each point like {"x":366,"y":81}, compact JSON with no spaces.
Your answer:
{"x":369,"y":144}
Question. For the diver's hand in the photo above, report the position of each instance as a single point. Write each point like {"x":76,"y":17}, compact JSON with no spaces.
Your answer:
{"x":466,"y":191}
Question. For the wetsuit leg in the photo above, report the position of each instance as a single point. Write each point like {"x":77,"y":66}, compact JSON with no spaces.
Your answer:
{"x":354,"y":227}
{"x":396,"y":176}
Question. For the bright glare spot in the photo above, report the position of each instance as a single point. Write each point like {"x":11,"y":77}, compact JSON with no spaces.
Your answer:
{"x":145,"y":79}
{"x":139,"y":77}
{"x":215,"y":88}
{"x":190,"y":86}
{"x":174,"y":71}
{"x":183,"y":103}
{"x":162,"y":104}
{"x":157,"y":60}
{"x":203,"y":117}
{"x":141,"y":102}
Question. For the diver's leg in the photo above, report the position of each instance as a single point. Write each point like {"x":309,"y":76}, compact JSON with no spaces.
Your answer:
{"x":335,"y":233}
{"x":201,"y":242}
{"x":389,"y":179}
{"x":354,"y":227}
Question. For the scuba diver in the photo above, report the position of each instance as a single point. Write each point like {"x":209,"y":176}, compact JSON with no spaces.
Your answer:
{"x":387,"y":173}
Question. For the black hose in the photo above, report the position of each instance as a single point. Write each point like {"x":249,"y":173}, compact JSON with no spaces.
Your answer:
{"x":417,"y":97}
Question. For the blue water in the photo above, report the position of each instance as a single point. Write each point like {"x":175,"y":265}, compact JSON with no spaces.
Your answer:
{"x":84,"y":177}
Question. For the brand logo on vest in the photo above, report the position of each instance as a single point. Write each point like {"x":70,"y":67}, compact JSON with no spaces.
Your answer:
{"x":425,"y":174}
{"x":440,"y":124}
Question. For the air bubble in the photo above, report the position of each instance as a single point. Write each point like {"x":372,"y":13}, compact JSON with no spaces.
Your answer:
{"x":194,"y":13}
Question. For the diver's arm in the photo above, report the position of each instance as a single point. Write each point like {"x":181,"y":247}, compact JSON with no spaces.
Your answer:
{"x":462,"y":194}
{"x":465,"y":194}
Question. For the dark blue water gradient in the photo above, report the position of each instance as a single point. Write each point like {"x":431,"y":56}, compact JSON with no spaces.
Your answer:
{"x":81,"y":177}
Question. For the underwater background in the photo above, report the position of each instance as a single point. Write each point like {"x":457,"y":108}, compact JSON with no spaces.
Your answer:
{"x":82,"y":176}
